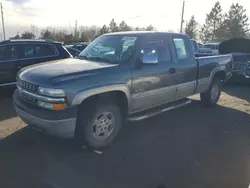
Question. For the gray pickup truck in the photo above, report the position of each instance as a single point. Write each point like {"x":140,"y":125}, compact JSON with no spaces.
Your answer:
{"x":130,"y":75}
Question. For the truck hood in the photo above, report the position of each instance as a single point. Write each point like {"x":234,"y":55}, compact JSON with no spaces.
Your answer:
{"x":53,"y":72}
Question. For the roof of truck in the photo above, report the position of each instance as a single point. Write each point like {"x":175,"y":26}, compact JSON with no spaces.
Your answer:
{"x":138,"y":33}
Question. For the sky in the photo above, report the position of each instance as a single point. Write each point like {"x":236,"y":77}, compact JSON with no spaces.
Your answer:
{"x":164,"y":15}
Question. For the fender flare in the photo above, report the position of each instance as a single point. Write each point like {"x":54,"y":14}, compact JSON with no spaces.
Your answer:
{"x":82,"y":95}
{"x":217,"y":69}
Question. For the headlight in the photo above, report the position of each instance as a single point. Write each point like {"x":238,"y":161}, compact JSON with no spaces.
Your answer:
{"x":51,"y":106}
{"x":51,"y":92}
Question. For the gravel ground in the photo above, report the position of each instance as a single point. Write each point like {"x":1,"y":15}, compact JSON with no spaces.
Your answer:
{"x":189,"y":147}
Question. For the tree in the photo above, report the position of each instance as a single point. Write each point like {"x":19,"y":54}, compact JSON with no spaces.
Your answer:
{"x":47,"y":34}
{"x":150,"y":28}
{"x":124,"y":27}
{"x":211,"y":30}
{"x":113,"y":26}
{"x":104,"y":30}
{"x":191,"y":29}
{"x":27,"y":35}
{"x":15,"y":37}
{"x":236,"y":22}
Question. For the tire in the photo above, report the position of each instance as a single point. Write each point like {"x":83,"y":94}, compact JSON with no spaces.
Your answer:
{"x":90,"y":119}
{"x":212,"y":95}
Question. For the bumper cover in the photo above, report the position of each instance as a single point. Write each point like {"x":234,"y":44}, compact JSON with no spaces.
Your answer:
{"x":241,"y":77}
{"x":60,"y":124}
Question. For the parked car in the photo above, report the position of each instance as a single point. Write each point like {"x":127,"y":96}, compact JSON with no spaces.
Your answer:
{"x":240,"y":50}
{"x":17,"y":54}
{"x":88,"y":98}
{"x":200,"y":52}
{"x":74,"y":52}
{"x":213,"y":46}
{"x":80,"y":46}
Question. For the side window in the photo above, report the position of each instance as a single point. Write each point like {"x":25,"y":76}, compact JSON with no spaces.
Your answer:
{"x":14,"y":52}
{"x":45,"y":50}
{"x":4,"y":53}
{"x":29,"y":50}
{"x":39,"y":50}
{"x":158,"y":47}
{"x":181,"y":49}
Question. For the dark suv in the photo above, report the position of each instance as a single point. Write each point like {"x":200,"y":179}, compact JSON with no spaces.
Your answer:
{"x":16,"y":54}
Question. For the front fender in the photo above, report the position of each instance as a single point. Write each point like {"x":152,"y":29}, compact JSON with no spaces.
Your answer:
{"x":82,"y":95}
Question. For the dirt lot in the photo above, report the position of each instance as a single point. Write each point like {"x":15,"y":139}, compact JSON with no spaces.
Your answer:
{"x":190,"y":147}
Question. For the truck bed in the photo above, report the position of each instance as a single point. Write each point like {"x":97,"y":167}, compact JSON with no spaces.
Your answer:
{"x":206,"y":64}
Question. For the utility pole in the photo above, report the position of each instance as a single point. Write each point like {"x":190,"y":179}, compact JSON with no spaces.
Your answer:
{"x":2,"y":21}
{"x":76,"y":29}
{"x":182,"y":16}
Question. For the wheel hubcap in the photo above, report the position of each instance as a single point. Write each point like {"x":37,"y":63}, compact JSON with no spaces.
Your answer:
{"x":215,"y":91}
{"x":103,"y":125}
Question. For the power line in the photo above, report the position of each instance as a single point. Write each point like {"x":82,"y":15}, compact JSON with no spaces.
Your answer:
{"x":3,"y":22}
{"x":182,"y":15}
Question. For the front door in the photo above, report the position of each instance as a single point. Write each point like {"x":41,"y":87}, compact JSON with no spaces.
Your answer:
{"x":153,"y":84}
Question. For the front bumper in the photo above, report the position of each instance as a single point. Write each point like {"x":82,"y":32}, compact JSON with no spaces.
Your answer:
{"x":57,"y":123}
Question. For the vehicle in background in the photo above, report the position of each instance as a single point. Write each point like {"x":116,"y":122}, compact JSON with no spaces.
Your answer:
{"x":240,"y":50}
{"x":17,"y":54}
{"x":74,"y":52}
{"x":141,"y":75}
{"x":207,"y":51}
{"x":213,"y":46}
{"x":80,"y":46}
{"x":200,"y":52}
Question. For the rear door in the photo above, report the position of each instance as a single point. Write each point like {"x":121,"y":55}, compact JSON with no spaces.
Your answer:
{"x":186,"y":67}
{"x":34,"y":53}
{"x":8,"y":58}
{"x":153,"y":84}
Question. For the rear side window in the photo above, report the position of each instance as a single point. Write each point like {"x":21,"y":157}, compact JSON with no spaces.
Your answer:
{"x":181,"y":49}
{"x":38,"y":50}
{"x":159,"y":47}
{"x":4,"y":53}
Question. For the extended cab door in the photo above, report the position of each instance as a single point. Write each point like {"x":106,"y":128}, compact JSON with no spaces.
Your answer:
{"x":186,"y":66}
{"x":8,"y":58}
{"x":153,"y":84}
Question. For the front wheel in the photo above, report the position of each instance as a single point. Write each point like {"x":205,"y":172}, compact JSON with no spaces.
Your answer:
{"x":98,"y":127}
{"x":212,"y":95}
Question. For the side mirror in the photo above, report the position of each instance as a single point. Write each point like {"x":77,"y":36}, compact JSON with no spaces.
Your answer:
{"x":150,"y":58}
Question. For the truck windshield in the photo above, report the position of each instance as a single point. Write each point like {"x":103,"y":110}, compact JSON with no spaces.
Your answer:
{"x":111,"y":49}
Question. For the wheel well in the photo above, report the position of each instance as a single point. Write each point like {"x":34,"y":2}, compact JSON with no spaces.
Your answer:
{"x":221,"y":75}
{"x":117,"y":97}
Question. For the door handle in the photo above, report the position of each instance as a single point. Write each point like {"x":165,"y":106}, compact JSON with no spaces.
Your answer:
{"x":172,"y":70}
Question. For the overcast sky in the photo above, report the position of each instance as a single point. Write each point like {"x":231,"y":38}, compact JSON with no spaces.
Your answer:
{"x":162,"y":14}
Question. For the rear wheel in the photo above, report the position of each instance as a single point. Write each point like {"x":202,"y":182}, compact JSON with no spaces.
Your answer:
{"x":212,"y":95}
{"x":97,"y":127}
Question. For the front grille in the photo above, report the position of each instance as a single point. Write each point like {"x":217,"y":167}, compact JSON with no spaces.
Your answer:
{"x":32,"y":88}
{"x":28,"y":97}
{"x":240,"y":66}
{"x":27,"y":86}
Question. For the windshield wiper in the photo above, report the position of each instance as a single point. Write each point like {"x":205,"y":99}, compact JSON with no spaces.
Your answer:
{"x":82,"y":57}
{"x":100,"y":59}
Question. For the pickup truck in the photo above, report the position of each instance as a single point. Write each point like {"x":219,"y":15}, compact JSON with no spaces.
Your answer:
{"x":137,"y":76}
{"x":240,"y":50}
